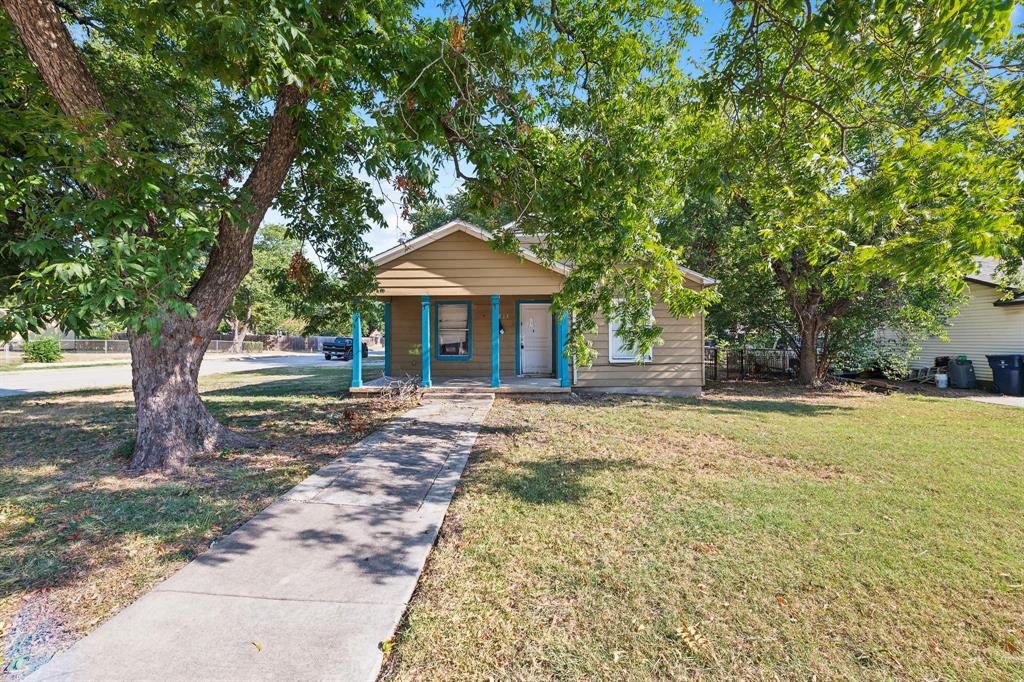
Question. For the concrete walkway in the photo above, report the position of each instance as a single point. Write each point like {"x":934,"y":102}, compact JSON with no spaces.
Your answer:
{"x":310,"y":587}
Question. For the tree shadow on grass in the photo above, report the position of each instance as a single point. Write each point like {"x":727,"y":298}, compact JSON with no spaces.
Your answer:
{"x":506,"y":430}
{"x":293,"y":382}
{"x":793,"y":408}
{"x":549,"y":481}
{"x":737,"y":405}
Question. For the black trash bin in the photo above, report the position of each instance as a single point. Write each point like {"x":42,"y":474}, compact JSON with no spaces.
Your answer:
{"x":1006,"y":372}
{"x":961,"y":373}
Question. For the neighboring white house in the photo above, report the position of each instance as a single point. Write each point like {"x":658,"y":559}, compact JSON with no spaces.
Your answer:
{"x":67,"y":339}
{"x":988,"y":324}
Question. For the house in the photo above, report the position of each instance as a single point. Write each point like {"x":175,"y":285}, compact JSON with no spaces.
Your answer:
{"x":67,"y":338}
{"x":988,"y":324}
{"x":459,"y":313}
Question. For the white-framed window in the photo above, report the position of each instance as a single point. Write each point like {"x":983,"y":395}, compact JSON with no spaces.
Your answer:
{"x":454,"y":331}
{"x":618,"y":350}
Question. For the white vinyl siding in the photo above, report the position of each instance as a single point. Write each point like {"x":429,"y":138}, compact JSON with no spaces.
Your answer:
{"x":980,"y":329}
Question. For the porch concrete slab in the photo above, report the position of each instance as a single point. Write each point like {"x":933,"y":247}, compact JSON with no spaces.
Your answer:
{"x":473,"y":385}
{"x":317,"y":580}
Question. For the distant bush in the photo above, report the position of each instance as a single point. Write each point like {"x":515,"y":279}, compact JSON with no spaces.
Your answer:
{"x":892,"y":363}
{"x":46,"y":349}
{"x":875,"y":356}
{"x":101,"y":333}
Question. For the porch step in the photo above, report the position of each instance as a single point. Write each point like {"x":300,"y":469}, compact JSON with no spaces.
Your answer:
{"x":447,"y":394}
{"x":461,"y":390}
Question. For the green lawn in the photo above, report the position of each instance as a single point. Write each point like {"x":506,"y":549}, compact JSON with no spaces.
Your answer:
{"x":756,"y":534}
{"x":17,"y":365}
{"x":81,"y":536}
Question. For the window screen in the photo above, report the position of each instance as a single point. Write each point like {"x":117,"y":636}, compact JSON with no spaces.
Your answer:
{"x":618,"y":351}
{"x":453,"y":330}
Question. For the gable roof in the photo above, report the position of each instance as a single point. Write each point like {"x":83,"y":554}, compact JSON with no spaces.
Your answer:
{"x":988,"y":275}
{"x":457,"y":226}
{"x":472,"y":230}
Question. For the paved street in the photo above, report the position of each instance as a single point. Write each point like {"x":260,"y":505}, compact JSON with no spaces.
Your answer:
{"x":105,"y":376}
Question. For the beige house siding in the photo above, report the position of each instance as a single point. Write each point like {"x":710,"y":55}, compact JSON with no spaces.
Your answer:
{"x":677,"y":363}
{"x":980,"y":329}
{"x":406,"y":333}
{"x":462,"y":265}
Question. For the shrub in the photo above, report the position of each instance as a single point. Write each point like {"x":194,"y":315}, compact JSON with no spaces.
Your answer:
{"x":875,"y":356}
{"x":46,"y":349}
{"x":892,"y":363}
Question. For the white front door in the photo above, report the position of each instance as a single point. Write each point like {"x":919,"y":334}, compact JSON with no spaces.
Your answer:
{"x":535,"y":338}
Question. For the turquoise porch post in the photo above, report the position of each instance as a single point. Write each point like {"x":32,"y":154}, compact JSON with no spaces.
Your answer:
{"x":425,"y":341}
{"x":357,"y":350}
{"x":495,"y":341}
{"x":563,"y":361}
{"x":387,"y":339}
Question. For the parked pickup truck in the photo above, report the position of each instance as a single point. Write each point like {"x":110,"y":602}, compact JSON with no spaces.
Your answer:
{"x":341,"y":349}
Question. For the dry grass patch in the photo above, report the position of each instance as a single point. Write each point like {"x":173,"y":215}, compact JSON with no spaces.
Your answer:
{"x":81,"y":536}
{"x":760,"y":533}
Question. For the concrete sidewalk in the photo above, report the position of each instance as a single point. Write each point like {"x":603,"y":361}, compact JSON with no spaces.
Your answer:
{"x":1008,"y":400}
{"x":310,"y":587}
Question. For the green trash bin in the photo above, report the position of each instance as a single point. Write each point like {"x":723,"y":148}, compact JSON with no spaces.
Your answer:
{"x":961,"y":373}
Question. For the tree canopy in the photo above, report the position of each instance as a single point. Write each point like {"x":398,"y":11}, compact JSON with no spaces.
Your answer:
{"x":840,"y":150}
{"x":142,"y":139}
{"x":461,"y":205}
{"x":838,"y":170}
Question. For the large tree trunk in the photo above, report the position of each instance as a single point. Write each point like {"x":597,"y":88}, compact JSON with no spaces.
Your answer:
{"x":808,"y":372}
{"x":172,"y":423}
{"x":185,"y":340}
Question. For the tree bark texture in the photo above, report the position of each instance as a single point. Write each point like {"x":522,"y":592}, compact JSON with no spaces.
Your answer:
{"x":808,"y":373}
{"x":240,"y":330}
{"x":49,"y":46}
{"x":172,"y":423}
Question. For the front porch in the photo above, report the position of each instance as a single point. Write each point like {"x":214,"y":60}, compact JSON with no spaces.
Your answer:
{"x":464,"y":316}
{"x":510,"y":384}
{"x":493,"y":343}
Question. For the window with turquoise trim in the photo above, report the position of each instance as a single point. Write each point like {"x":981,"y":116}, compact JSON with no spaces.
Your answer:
{"x":454,"y":330}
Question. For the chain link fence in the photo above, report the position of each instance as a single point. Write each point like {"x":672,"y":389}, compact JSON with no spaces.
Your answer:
{"x":114,"y":346}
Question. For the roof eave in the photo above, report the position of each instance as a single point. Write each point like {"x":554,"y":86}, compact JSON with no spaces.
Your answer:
{"x":458,"y":226}
{"x":400,"y":250}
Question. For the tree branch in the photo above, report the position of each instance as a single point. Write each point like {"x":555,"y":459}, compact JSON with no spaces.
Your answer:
{"x":49,"y":46}
{"x":231,"y":258}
